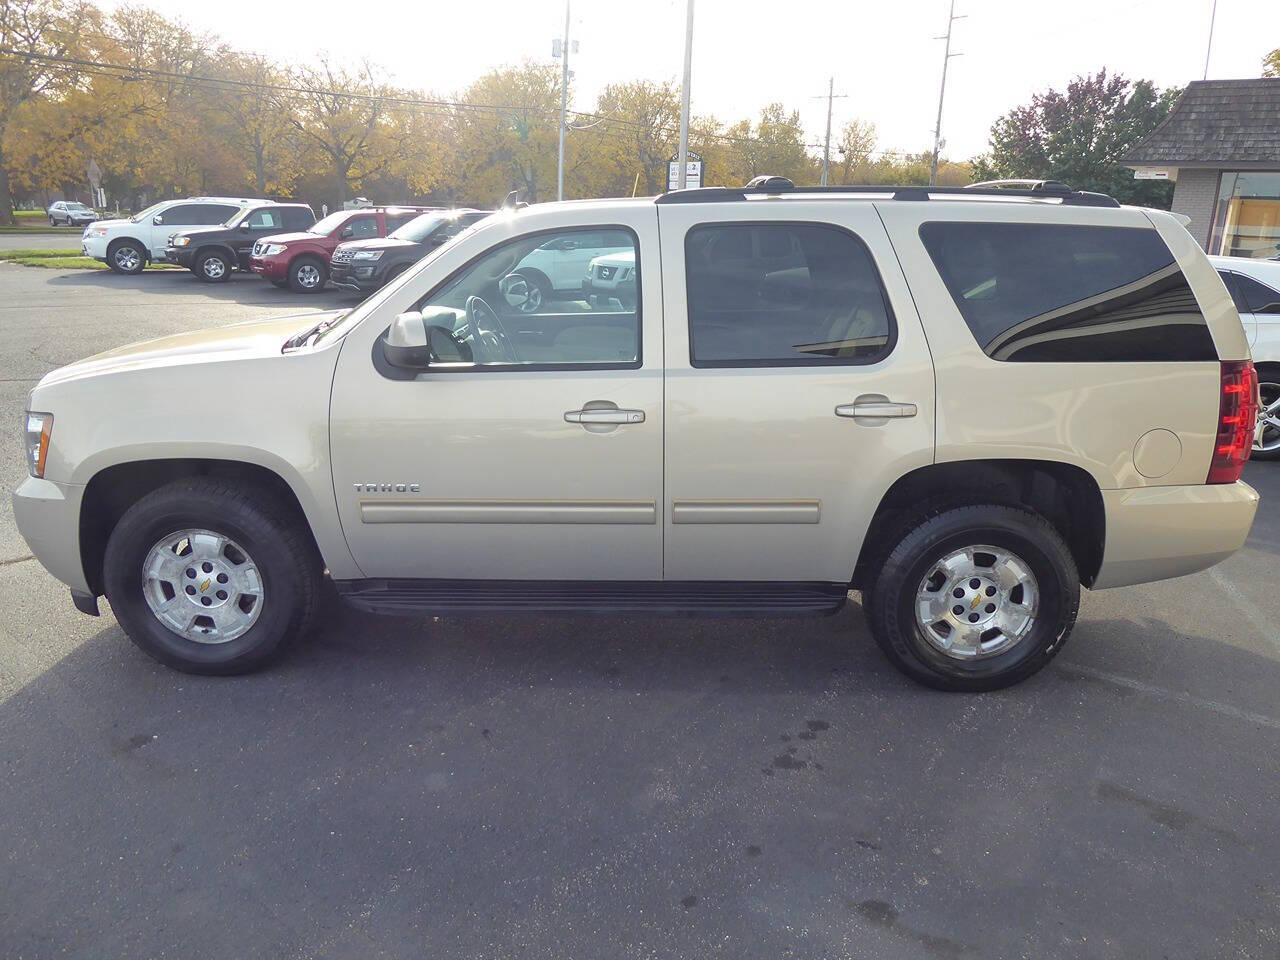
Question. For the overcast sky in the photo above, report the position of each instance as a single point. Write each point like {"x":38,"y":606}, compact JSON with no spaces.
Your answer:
{"x":747,"y":53}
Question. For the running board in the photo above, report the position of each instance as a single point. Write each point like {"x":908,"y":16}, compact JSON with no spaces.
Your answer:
{"x":683,"y":598}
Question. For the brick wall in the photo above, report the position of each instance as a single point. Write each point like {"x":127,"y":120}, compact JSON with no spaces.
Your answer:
{"x":1193,"y":195}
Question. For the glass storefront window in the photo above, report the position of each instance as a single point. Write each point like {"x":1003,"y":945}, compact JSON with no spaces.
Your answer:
{"x":1247,"y":220}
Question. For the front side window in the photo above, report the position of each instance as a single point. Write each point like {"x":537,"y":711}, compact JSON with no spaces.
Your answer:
{"x":526,"y":303}
{"x":265,"y":219}
{"x":1042,"y":292}
{"x":783,"y":294}
{"x":362,"y":228}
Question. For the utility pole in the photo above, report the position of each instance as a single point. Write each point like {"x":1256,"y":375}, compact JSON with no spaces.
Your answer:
{"x":682,"y":155}
{"x":946,"y":59}
{"x":564,"y":100}
{"x":1213,"y":15}
{"x":826,"y":147}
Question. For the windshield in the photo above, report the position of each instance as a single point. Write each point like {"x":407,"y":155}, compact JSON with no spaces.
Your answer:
{"x":329,"y":224}
{"x":149,"y":212}
{"x":419,"y":228}
{"x":76,"y":206}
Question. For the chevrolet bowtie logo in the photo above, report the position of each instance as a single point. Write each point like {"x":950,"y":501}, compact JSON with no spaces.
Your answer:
{"x":205,"y":586}
{"x":972,"y":605}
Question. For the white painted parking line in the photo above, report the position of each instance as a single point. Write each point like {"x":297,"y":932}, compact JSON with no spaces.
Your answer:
{"x":1151,"y":690}
{"x":1261,"y":622}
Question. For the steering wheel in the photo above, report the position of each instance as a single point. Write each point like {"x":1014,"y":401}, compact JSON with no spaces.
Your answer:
{"x":486,"y":330}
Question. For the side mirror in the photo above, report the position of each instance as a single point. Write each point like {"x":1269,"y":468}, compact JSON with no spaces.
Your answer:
{"x":407,"y":346}
{"x":515,"y":290}
{"x":345,"y":233}
{"x":157,"y":219}
{"x":244,"y":225}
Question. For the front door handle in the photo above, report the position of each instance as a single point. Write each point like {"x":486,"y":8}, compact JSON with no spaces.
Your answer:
{"x":875,"y":407}
{"x":603,"y":415}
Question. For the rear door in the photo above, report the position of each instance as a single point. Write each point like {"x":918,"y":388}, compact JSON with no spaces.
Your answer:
{"x":799,"y":387}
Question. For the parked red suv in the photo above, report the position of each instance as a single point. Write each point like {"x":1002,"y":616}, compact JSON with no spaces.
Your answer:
{"x":301,"y":260}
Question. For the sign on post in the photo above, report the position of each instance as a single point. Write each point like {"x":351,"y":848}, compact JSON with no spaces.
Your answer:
{"x":693,"y":172}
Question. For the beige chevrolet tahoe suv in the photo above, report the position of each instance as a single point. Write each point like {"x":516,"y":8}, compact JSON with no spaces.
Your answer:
{"x":963,"y":403}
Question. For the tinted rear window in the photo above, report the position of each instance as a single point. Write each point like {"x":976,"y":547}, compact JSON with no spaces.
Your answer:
{"x":1258,"y":297}
{"x":1040,"y":292}
{"x":771,"y":294}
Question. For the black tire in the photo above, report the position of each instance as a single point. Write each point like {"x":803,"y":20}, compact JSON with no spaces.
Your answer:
{"x":281,"y":549}
{"x":212,"y":266}
{"x":539,"y":291}
{"x":308,"y":274}
{"x":890,"y":603}
{"x":127,"y":257}
{"x":53,"y":222}
{"x":1268,"y":388}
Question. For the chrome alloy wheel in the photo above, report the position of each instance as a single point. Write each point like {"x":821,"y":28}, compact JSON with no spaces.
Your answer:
{"x":202,"y":586}
{"x":127,"y":258}
{"x":1266,"y":435}
{"x":977,"y":602}
{"x":213,"y":268}
{"x":308,"y":276}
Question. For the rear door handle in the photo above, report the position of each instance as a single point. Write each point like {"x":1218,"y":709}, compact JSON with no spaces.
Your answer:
{"x":875,"y":408}
{"x":603,"y":415}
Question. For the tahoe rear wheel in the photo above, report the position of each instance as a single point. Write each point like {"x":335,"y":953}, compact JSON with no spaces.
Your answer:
{"x":209,"y":576}
{"x":974,"y":598}
{"x":126,"y":256}
{"x":212,"y":267}
{"x":307,"y":275}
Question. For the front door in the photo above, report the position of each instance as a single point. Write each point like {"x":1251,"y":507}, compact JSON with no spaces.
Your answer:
{"x":799,"y":387}
{"x":531,"y":448}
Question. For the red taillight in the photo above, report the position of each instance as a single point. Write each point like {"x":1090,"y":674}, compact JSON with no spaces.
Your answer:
{"x":1237,"y":417}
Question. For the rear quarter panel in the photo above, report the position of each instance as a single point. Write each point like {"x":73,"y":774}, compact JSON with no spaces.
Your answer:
{"x":1087,"y":414}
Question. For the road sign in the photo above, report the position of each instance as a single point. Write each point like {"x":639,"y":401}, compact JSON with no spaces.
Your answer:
{"x":693,"y":172}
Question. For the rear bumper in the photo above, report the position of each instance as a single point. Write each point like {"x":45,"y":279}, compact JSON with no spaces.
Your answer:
{"x":1154,"y":533}
{"x":48,"y":517}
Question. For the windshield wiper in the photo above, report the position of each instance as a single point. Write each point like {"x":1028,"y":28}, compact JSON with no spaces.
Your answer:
{"x":305,"y":338}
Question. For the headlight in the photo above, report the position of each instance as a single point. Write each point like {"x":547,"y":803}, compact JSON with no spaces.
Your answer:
{"x":97,"y":231}
{"x":271,"y":249}
{"x":181,"y":241}
{"x":367,"y":255}
{"x":39,"y":426}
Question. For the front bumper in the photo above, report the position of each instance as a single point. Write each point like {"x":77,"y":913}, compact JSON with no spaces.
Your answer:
{"x":182,"y":255}
{"x":95,"y":247}
{"x":1154,"y":533}
{"x":270,"y":267}
{"x":364,"y":277}
{"x":48,"y":517}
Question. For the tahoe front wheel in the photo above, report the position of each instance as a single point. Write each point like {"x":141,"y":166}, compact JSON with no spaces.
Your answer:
{"x":974,"y":598}
{"x":212,"y":577}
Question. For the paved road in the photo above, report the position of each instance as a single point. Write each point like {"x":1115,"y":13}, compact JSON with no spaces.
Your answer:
{"x":67,"y":238}
{"x":622,"y":788}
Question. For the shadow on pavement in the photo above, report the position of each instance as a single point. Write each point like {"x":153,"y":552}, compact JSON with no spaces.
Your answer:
{"x":595,"y":787}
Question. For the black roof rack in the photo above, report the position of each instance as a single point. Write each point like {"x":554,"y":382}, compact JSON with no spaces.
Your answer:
{"x":776,"y":186}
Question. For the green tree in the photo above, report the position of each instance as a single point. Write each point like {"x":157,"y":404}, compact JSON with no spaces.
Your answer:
{"x":1271,"y":64}
{"x":1080,"y":134}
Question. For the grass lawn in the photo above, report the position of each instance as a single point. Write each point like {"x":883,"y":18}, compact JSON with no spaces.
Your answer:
{"x":64,"y":260}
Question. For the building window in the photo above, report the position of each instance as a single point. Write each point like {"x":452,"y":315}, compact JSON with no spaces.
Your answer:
{"x":1246,"y":222}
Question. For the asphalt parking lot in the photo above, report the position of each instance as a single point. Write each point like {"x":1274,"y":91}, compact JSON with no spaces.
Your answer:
{"x":583,"y":788}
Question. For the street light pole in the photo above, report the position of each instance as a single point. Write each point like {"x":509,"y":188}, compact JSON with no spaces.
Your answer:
{"x":826,"y":145}
{"x":682,"y":155}
{"x":564,"y":100}
{"x":946,"y":59}
{"x":1213,"y":15}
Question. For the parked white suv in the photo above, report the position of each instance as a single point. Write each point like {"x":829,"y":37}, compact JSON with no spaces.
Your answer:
{"x":1255,"y":287}
{"x":961,"y":404}
{"x":128,"y":245}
